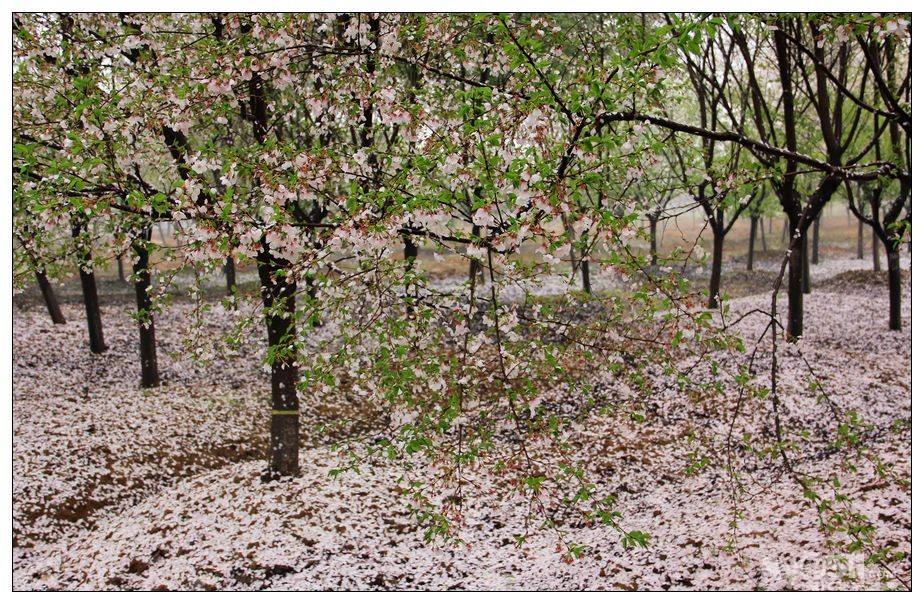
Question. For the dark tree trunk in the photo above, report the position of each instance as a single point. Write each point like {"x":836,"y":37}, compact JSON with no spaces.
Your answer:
{"x":148,"y":342}
{"x":763,"y":236}
{"x":410,"y":252}
{"x":653,"y":245}
{"x":585,"y":275}
{"x":279,"y":303}
{"x":806,"y":282}
{"x":895,"y":289}
{"x":410,"y":257}
{"x":751,"y":242}
{"x":816,"y":227}
{"x":877,"y":264}
{"x":475,"y":269}
{"x":230,"y":276}
{"x":715,"y":279}
{"x":859,"y":239}
{"x":90,"y":296}
{"x":121,"y":267}
{"x":794,"y":285}
{"x":786,"y":230}
{"x":51,"y":300}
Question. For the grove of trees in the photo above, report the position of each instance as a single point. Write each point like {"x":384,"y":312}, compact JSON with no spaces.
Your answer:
{"x":334,"y":153}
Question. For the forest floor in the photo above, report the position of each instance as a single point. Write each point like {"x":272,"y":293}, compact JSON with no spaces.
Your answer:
{"x":119,"y":488}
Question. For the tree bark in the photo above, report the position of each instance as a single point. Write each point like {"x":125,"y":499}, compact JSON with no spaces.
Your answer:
{"x":410,"y":257}
{"x":763,"y":236}
{"x":121,"y":267}
{"x":877,"y":264}
{"x":410,"y":252}
{"x":230,"y":276}
{"x":88,"y":286}
{"x":751,"y":242}
{"x":794,"y":285}
{"x":150,"y":378}
{"x":806,"y":276}
{"x":585,"y":275}
{"x":474,"y":266}
{"x":653,"y":236}
{"x":895,"y":289}
{"x":278,"y":298}
{"x":51,"y":300}
{"x":715,"y":279}
{"x":859,"y":239}
{"x":816,"y":227}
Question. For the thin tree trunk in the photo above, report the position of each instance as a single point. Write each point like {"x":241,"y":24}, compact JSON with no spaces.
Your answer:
{"x":585,"y":275}
{"x":715,"y":279}
{"x":895,"y":289}
{"x":653,"y":245}
{"x":51,"y":300}
{"x":121,"y":267}
{"x":816,"y":227}
{"x":278,"y":297}
{"x":150,"y":377}
{"x":806,"y":275}
{"x":763,"y":236}
{"x":785,"y":231}
{"x":859,"y":239}
{"x":794,"y":286}
{"x":410,"y":252}
{"x":410,"y":257}
{"x":230,"y":276}
{"x":877,"y":264}
{"x":751,"y":241}
{"x":474,"y":266}
{"x":88,"y":286}
{"x":572,"y":252}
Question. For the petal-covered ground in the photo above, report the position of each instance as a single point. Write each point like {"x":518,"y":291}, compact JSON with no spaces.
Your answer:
{"x":119,"y":488}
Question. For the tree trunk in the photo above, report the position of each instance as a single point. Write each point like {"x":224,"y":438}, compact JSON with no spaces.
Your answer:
{"x":278,"y":297}
{"x":653,"y":245}
{"x":806,"y":283}
{"x":410,"y":252}
{"x":121,"y":267}
{"x":410,"y":257}
{"x":895,"y":289}
{"x":715,"y":279}
{"x":585,"y":275}
{"x":859,"y":239}
{"x":877,"y":264}
{"x":88,"y":286}
{"x":751,"y":241}
{"x":816,"y":227}
{"x":794,"y":286}
{"x":148,"y":342}
{"x":474,"y":266}
{"x":763,"y":236}
{"x":51,"y":300}
{"x":230,"y":276}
